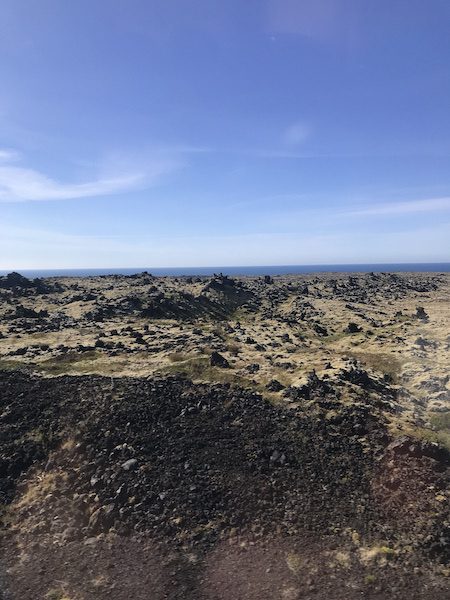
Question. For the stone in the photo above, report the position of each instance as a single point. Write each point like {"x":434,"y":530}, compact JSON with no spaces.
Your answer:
{"x":217,"y":360}
{"x":130,"y":465}
{"x":274,"y":386}
{"x":102,"y":518}
{"x":352,"y":328}
{"x":421,"y":314}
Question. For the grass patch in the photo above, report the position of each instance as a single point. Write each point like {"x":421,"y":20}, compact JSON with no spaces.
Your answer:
{"x":441,"y":421}
{"x":70,"y":362}
{"x":233,"y":348}
{"x":438,"y":437}
{"x":381,"y":362}
{"x":242,"y":315}
{"x":199,"y":369}
{"x":176,"y":357}
{"x":11,"y":365}
{"x":328,"y":339}
{"x":219,"y":332}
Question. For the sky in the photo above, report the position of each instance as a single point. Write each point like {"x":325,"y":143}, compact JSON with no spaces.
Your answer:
{"x":140,"y":133}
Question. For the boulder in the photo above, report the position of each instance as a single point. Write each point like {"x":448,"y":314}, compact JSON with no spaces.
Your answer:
{"x":217,"y":360}
{"x":352,"y":328}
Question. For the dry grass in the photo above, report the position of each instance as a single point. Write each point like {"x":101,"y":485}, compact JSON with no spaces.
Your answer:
{"x":438,"y":437}
{"x":233,"y":348}
{"x":219,"y":332}
{"x":378,"y":361}
{"x":176,"y":357}
{"x":329,"y":339}
{"x":70,"y":363}
{"x":11,"y":365}
{"x":44,"y":483}
{"x":441,"y":421}
{"x":199,"y":369}
{"x":57,"y":594}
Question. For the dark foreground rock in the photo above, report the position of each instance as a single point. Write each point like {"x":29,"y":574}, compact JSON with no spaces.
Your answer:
{"x":194,"y":467}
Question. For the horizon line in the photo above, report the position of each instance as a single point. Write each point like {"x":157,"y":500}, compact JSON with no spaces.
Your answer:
{"x":251,"y":266}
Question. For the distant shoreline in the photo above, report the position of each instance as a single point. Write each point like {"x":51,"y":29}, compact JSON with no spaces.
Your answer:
{"x":243,"y":270}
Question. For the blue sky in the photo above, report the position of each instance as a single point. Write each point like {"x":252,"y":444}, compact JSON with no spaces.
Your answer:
{"x":205,"y":132}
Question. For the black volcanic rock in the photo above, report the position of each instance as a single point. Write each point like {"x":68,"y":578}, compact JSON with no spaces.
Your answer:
{"x":192,"y":465}
{"x":28,"y":313}
{"x":352,"y":328}
{"x":217,"y":360}
{"x":421,"y":314}
{"x":22,"y":286}
{"x":13,"y":280}
{"x":274,"y":386}
{"x":320,"y":329}
{"x":176,"y":448}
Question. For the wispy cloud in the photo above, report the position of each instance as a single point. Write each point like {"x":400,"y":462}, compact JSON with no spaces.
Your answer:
{"x":8,"y":155}
{"x":403,"y":208}
{"x":19,"y":184}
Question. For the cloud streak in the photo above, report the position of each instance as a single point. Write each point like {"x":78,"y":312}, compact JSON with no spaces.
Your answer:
{"x":403,"y":208}
{"x":19,"y":184}
{"x":7,"y":155}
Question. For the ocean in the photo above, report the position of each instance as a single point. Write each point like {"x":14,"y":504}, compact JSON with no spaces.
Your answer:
{"x":255,"y":270}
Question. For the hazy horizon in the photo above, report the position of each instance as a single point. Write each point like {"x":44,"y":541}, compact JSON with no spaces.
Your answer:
{"x":237,"y":270}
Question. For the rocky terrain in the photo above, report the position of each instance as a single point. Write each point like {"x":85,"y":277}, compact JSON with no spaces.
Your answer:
{"x":217,"y":438}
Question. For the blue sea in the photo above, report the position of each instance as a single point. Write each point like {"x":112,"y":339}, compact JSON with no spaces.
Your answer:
{"x":258,"y":270}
